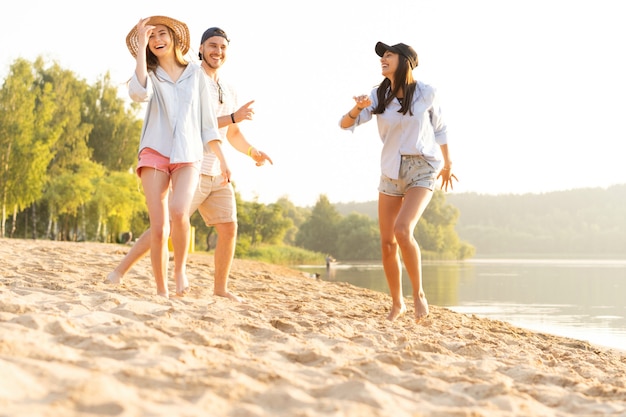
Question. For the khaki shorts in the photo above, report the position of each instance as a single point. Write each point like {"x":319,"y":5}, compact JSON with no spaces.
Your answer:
{"x":415,"y":171}
{"x":215,"y":202}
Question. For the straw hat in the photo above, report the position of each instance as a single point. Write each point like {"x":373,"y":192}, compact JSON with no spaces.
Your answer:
{"x":181,"y":32}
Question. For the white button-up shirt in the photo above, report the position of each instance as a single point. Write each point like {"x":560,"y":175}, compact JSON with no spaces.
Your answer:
{"x":179,"y":118}
{"x":419,"y":134}
{"x":229,"y":104}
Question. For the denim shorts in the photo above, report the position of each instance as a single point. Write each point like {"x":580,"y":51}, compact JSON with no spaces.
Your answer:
{"x":415,"y":171}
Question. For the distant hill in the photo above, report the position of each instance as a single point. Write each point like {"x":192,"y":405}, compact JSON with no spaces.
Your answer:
{"x":586,"y":222}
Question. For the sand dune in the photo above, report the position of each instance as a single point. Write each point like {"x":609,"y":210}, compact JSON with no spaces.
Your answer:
{"x":73,"y":345}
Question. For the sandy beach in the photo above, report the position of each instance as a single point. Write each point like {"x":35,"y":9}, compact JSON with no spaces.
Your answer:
{"x":73,"y":345}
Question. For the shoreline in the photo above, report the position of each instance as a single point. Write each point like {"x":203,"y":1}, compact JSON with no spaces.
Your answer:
{"x":531,"y":311}
{"x":299,"y":346}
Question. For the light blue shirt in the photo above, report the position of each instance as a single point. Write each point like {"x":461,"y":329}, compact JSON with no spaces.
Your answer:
{"x":179,"y":121}
{"x":419,"y":134}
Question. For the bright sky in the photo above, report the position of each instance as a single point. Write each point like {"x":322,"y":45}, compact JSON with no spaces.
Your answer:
{"x":533,"y":91}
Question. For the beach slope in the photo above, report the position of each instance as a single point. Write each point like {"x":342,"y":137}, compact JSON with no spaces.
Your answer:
{"x":73,"y":345}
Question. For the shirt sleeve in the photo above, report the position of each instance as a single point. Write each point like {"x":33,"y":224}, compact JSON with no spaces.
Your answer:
{"x":436,"y":119}
{"x":364,"y":116}
{"x":137,"y":91}
{"x":207,"y":116}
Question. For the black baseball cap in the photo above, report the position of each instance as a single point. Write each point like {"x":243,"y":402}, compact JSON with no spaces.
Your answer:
{"x":399,"y":48}
{"x":214,"y":31}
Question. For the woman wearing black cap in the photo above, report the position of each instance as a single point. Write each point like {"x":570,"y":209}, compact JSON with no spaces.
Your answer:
{"x":414,"y":155}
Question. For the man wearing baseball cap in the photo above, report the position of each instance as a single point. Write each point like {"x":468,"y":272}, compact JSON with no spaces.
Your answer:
{"x":214,"y":200}
{"x":215,"y":197}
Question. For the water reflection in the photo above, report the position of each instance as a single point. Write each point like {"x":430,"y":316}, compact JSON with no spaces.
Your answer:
{"x":582,"y":299}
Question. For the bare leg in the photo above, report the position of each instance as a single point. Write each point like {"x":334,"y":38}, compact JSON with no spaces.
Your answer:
{"x":224,"y":253}
{"x":415,"y":202}
{"x":155,"y":185}
{"x":184,"y":183}
{"x":388,"y":208}
{"x":136,"y":252}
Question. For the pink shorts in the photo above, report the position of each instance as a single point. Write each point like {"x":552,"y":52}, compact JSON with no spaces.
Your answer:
{"x":150,"y":158}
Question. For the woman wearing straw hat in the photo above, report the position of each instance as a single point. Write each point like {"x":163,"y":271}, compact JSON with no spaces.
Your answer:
{"x":214,"y":199}
{"x":178,"y":123}
{"x":411,"y":126}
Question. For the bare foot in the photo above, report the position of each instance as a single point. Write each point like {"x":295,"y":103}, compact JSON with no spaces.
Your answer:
{"x":230,"y":296}
{"x":182,"y":285}
{"x":396,"y":311}
{"x":421,"y":307}
{"x":180,"y":294}
{"x":114,"y":278}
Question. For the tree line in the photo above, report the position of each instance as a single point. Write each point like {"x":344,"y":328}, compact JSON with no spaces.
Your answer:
{"x":580,"y":223}
{"x":68,"y":151}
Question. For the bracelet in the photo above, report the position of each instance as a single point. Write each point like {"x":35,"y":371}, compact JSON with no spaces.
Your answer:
{"x":350,"y":116}
{"x":250,"y":151}
{"x":446,"y":169}
{"x":232,"y":117}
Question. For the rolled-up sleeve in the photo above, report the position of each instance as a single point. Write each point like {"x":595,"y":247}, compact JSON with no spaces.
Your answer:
{"x":364,"y":116}
{"x":436,"y":119}
{"x":137,"y":92}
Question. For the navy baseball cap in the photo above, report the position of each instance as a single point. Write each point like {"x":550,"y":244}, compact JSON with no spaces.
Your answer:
{"x":210,"y":32}
{"x":399,"y":48}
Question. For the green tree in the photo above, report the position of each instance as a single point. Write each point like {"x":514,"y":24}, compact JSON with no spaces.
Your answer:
{"x":72,"y":147}
{"x":297,"y":215}
{"x":17,"y":103}
{"x":358,"y":238}
{"x":72,"y":156}
{"x":26,"y":137}
{"x":261,"y":223}
{"x":436,"y":233}
{"x":273,"y":224}
{"x":117,"y":200}
{"x":319,"y":232}
{"x":114,"y":139}
{"x":69,"y":192}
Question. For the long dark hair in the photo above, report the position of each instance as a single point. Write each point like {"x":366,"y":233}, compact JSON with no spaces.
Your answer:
{"x":404,"y":81}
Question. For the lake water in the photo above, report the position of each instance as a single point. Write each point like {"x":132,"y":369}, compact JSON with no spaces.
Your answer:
{"x":581,"y":299}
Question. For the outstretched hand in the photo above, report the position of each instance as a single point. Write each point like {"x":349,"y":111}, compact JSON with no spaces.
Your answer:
{"x":244,"y":112}
{"x":446,"y":179}
{"x":260,"y":157}
{"x":362,"y":101}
